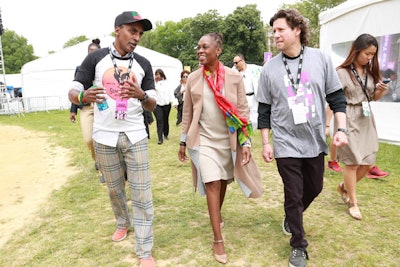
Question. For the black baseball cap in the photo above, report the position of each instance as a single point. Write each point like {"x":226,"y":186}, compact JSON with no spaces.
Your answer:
{"x":127,"y":17}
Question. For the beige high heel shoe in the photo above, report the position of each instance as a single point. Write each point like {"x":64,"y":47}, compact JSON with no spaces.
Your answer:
{"x":354,"y":214}
{"x":220,"y":258}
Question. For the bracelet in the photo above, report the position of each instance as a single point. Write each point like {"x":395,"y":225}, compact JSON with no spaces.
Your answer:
{"x":327,"y":126}
{"x":80,"y":98}
{"x":182,"y":143}
{"x":266,"y":144}
{"x":247,"y":143}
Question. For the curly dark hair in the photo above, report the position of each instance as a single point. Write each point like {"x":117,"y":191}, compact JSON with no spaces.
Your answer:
{"x":294,"y":19}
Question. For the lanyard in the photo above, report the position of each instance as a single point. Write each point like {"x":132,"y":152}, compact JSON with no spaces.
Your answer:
{"x":363,"y":86}
{"x":121,"y":104}
{"x":295,"y":85}
{"x":117,"y":75}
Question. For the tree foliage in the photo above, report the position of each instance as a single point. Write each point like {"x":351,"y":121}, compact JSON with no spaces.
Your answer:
{"x":310,"y":9}
{"x":16,"y":52}
{"x":242,"y":32}
{"x":75,"y":40}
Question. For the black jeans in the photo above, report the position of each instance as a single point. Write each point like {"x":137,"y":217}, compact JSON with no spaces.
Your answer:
{"x":303,"y":181}
{"x":162,"y":120}
{"x":179,"y":114}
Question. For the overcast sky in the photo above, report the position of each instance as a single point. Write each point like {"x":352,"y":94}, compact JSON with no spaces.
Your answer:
{"x":47,"y":25}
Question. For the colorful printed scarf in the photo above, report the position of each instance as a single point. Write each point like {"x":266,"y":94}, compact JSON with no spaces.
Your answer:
{"x":230,"y":112}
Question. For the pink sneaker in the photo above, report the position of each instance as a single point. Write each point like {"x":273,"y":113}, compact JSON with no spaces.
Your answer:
{"x":147,"y":262}
{"x":333,"y":165}
{"x":376,"y":173}
{"x":120,"y":234}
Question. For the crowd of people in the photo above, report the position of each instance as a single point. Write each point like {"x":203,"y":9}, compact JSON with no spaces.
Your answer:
{"x":297,"y":99}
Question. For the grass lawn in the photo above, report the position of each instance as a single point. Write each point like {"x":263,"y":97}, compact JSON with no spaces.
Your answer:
{"x":74,"y":227}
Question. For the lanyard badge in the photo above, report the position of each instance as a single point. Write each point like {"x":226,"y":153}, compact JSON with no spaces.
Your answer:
{"x":121,"y":107}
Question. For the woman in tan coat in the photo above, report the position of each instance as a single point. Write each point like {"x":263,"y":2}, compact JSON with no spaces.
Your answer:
{"x":218,"y":152}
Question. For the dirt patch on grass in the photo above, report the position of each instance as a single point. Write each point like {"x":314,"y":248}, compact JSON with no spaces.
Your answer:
{"x":30,"y":169}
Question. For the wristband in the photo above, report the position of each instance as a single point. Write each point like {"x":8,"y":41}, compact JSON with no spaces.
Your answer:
{"x":247,"y":143}
{"x":344,"y":130}
{"x":182,"y":143}
{"x":80,"y":98}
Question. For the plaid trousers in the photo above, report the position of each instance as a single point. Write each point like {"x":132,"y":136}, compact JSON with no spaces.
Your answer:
{"x":131,"y":161}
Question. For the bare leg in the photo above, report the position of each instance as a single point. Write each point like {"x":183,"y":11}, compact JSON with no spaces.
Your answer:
{"x":222,"y":197}
{"x":332,"y":151}
{"x":350,"y":180}
{"x":352,"y":174}
{"x":362,"y":171}
{"x":214,"y":192}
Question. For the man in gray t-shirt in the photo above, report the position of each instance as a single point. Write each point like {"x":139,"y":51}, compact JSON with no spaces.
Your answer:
{"x":293,"y":89}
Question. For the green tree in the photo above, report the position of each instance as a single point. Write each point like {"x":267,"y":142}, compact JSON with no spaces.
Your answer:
{"x":179,"y":39}
{"x":16,"y":52}
{"x":75,"y":40}
{"x":310,"y":9}
{"x":201,"y":24}
{"x":247,"y":38}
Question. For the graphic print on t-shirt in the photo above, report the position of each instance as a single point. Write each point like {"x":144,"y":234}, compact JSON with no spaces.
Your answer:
{"x":303,"y":98}
{"x":111,"y":84}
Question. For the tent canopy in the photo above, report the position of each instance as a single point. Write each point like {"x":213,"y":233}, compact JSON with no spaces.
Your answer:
{"x":348,"y":20}
{"x":52,"y":75}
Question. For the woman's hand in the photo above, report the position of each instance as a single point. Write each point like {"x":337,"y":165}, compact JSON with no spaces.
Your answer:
{"x":182,"y":154}
{"x":246,"y":155}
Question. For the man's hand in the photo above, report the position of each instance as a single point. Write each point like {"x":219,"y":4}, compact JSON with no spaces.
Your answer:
{"x":72,"y":117}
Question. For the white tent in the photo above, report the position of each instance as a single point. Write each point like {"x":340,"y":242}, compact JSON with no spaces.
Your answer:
{"x":341,"y":25}
{"x":51,"y":76}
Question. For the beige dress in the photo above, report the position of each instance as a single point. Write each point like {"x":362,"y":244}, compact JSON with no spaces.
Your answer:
{"x":215,"y":155}
{"x":363,"y":138}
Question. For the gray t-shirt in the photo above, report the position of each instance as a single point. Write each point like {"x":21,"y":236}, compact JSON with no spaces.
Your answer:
{"x":318,"y":78}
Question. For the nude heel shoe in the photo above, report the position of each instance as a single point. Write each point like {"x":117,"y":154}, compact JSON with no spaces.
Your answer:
{"x":220,"y":258}
{"x":354,"y":214}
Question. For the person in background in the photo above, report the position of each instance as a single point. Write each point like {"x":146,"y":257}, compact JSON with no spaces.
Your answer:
{"x":148,"y":120}
{"x":362,"y":82}
{"x":180,"y":94}
{"x":124,"y":88}
{"x":333,"y":165}
{"x":165,"y":98}
{"x":393,"y":94}
{"x":251,"y":75}
{"x":293,"y":90}
{"x":87,"y":114}
{"x":218,"y":144}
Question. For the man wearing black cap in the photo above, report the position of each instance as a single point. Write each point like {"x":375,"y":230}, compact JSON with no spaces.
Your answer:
{"x":121,"y":83}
